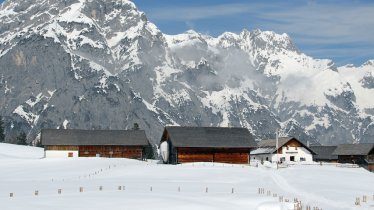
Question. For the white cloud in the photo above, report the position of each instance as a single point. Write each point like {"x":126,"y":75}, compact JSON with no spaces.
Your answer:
{"x":316,"y":25}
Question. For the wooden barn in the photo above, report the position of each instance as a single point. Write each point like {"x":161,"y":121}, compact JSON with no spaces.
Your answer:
{"x":324,"y":153}
{"x":206,"y":144}
{"x":361,"y":154}
{"x":289,"y":149}
{"x":94,"y":143}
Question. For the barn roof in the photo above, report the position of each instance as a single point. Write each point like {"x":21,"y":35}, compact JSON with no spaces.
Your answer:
{"x":354,"y":149}
{"x":212,"y":137}
{"x":94,"y":137}
{"x":268,"y":146}
{"x":324,"y":152}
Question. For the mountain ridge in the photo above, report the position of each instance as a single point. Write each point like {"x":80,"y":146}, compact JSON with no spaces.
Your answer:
{"x":103,"y":65}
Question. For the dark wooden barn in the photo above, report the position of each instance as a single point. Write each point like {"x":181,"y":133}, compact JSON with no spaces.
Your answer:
{"x":94,"y":143}
{"x":362,"y":154}
{"x":324,"y":153}
{"x":206,"y":144}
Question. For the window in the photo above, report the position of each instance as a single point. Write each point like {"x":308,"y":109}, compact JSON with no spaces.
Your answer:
{"x":283,"y":159}
{"x":302,"y":159}
{"x":267,"y":158}
{"x":292,"y":158}
{"x":295,"y":148}
{"x":287,"y":147}
{"x":70,"y":154}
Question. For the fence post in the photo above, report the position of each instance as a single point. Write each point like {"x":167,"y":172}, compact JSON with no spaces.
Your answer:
{"x":232,"y":190}
{"x":81,"y":189}
{"x":151,"y":188}
{"x":36,"y":192}
{"x":206,"y":190}
{"x":179,"y":189}
{"x":119,"y":187}
{"x":101,"y":188}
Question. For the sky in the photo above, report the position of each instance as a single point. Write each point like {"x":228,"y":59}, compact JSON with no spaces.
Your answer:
{"x":341,"y":30}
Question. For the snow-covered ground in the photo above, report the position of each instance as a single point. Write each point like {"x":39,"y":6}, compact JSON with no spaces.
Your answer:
{"x":148,"y":185}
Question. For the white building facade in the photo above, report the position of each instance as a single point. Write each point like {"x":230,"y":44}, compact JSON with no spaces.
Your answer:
{"x":61,"y":153}
{"x":290,"y":150}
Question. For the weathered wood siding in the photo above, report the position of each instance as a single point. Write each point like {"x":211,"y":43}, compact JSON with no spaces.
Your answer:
{"x":231,"y":155}
{"x":371,"y":167}
{"x":357,"y":159}
{"x":61,"y":147}
{"x":134,"y":152}
{"x":293,"y":143}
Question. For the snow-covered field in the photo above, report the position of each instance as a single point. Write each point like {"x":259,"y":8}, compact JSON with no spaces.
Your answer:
{"x":148,"y":185}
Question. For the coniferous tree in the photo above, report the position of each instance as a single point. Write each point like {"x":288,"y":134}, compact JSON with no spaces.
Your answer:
{"x":39,"y":144}
{"x":21,"y":139}
{"x":136,"y":126}
{"x":2,"y":133}
{"x":149,"y":151}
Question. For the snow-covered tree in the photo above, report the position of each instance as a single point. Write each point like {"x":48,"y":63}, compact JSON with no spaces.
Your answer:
{"x":21,"y":139}
{"x":2,"y":134}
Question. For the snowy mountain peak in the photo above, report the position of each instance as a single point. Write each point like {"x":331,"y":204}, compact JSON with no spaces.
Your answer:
{"x":368,"y":63}
{"x":99,"y":64}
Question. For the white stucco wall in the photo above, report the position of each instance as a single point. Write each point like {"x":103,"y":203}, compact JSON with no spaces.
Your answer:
{"x":60,"y":154}
{"x":298,"y":153}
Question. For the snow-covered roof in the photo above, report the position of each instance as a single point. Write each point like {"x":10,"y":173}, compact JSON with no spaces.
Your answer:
{"x":262,"y":150}
{"x":94,"y":137}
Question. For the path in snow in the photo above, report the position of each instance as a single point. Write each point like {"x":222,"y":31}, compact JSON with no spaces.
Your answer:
{"x":327,"y":187}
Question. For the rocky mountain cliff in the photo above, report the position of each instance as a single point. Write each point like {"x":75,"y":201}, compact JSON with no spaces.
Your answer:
{"x":95,"y":64}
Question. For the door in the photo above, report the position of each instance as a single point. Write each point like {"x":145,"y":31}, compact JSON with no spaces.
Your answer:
{"x":292,"y":158}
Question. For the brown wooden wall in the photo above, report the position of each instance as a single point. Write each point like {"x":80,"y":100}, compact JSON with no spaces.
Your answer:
{"x":371,"y":167}
{"x":62,"y":147}
{"x":134,"y":152}
{"x":231,"y":155}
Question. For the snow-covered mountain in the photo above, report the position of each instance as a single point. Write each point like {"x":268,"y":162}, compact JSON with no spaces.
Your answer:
{"x":96,"y":64}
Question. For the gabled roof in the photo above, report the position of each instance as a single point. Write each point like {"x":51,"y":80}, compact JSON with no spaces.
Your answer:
{"x":212,"y":137}
{"x":94,"y":137}
{"x":354,"y":149}
{"x":268,"y":146}
{"x":324,"y":152}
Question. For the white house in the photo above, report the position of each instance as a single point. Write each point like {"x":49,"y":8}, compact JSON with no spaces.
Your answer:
{"x":290,"y":150}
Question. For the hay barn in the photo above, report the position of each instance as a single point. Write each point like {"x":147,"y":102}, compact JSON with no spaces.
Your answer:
{"x":206,"y":144}
{"x":94,"y":143}
{"x":324,"y":153}
{"x":361,"y":154}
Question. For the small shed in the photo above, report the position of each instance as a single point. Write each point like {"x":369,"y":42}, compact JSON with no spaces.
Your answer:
{"x":206,"y":144}
{"x":289,"y":149}
{"x":324,"y":153}
{"x":362,"y":154}
{"x":94,"y":143}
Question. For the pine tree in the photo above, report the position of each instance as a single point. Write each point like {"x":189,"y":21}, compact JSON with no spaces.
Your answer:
{"x":2,"y":133}
{"x":136,"y":126}
{"x":149,"y":151}
{"x":21,"y":139}
{"x":39,"y":144}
